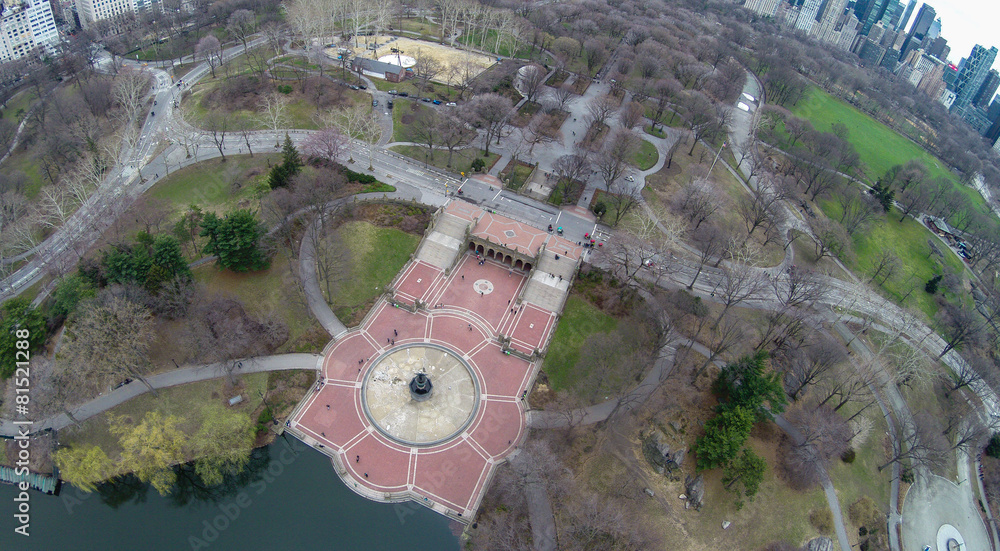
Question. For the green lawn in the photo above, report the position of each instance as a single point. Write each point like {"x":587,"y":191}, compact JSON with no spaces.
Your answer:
{"x":461,"y":161}
{"x":908,"y":239}
{"x":187,"y":402}
{"x":879,"y":146}
{"x":579,"y":321}
{"x":271,"y":291}
{"x":209,"y":183}
{"x":405,"y":113}
{"x":377,"y":255}
{"x":646,"y":156}
{"x":17,"y":106}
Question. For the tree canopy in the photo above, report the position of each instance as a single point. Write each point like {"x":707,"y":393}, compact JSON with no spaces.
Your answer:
{"x":224,"y":442}
{"x":15,"y":315}
{"x":748,"y":383}
{"x":724,"y":435}
{"x":83,"y":466}
{"x":235,"y":240}
{"x":151,"y":448}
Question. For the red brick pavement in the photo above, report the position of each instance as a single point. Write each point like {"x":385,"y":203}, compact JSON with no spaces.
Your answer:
{"x":451,"y":476}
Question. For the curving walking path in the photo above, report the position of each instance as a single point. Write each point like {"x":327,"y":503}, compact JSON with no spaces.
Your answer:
{"x":167,"y":379}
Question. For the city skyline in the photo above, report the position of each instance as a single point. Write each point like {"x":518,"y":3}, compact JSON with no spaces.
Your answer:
{"x":964,"y":24}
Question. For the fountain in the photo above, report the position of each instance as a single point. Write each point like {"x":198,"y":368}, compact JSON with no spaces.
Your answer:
{"x":420,"y":387}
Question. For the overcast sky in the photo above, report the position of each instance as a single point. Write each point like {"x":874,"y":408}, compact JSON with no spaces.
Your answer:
{"x":966,"y":23}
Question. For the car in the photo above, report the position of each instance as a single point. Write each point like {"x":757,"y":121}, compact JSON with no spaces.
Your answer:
{"x":451,"y":104}
{"x":393,"y":92}
{"x":389,"y":104}
{"x":362,"y":86}
{"x":404,"y":95}
{"x":355,"y":87}
{"x":436,"y":102}
{"x":374,"y":103}
{"x":425,"y":100}
{"x":629,"y":178}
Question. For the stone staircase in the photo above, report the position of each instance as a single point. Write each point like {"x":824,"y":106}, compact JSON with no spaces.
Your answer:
{"x":443,"y":245}
{"x":545,"y":289}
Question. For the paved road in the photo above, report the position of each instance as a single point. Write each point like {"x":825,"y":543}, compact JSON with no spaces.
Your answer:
{"x":937,"y":501}
{"x":166,"y":379}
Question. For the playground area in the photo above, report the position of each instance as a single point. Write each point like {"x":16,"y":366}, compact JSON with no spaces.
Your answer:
{"x":456,"y":64}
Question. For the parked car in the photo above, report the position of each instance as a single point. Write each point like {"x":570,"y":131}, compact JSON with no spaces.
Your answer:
{"x":404,"y":95}
{"x":425,"y":100}
{"x":393,"y":92}
{"x":389,"y":104}
{"x":436,"y":102}
{"x":451,"y":104}
{"x":374,"y":103}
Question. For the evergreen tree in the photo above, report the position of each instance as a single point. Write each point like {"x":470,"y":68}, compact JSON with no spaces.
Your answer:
{"x":747,"y":383}
{"x":291,"y":159}
{"x":16,"y":316}
{"x":724,"y":435}
{"x":235,"y":240}
{"x":747,"y":469}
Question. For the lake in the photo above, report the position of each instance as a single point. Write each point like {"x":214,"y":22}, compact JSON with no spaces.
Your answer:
{"x":289,"y":497}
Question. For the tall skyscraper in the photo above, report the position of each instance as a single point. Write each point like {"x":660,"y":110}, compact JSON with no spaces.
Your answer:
{"x":987,"y":90}
{"x":807,"y":16}
{"x":922,"y":24}
{"x":25,"y":26}
{"x":939,"y":48}
{"x":971,"y":76}
{"x":901,"y":24}
{"x":893,"y":11}
{"x":872,"y":14}
{"x":762,"y":7}
{"x":91,"y":11}
{"x":828,"y":21}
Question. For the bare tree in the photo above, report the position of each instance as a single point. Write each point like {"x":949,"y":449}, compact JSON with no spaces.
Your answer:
{"x":242,"y":24}
{"x":210,"y":49}
{"x":923,"y":444}
{"x":616,"y":156}
{"x":426,"y":68}
{"x":804,"y":367}
{"x":600,"y":109}
{"x":273,"y":114}
{"x":632,"y":115}
{"x":493,"y":113}
{"x":453,"y":134}
{"x":570,"y":169}
{"x":530,"y":79}
{"x":883,"y":266}
{"x":327,"y":143}
{"x":562,"y":97}
{"x":218,"y":124}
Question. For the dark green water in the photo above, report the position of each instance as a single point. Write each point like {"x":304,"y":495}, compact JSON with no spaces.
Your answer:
{"x":289,"y":498}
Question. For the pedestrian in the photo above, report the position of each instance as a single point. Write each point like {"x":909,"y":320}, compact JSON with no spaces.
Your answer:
{"x":324,"y":434}
{"x":470,"y":327}
{"x":394,"y":342}
{"x":388,"y":340}
{"x":366,"y":475}
{"x":357,"y":459}
{"x":395,"y":333}
{"x":463,"y":277}
{"x":157,"y":176}
{"x":328,"y":407}
{"x":508,"y":302}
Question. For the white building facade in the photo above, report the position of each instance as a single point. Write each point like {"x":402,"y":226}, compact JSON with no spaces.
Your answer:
{"x":91,"y":11}
{"x":24,"y":26}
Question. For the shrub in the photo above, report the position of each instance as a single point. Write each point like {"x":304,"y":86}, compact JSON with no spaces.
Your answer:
{"x":932,"y":285}
{"x":848,"y":456}
{"x":285,"y":88}
{"x":358,"y":177}
{"x":478,"y":164}
{"x":993,"y":448}
{"x":600,"y":209}
{"x":822,"y":520}
{"x":907,"y":476}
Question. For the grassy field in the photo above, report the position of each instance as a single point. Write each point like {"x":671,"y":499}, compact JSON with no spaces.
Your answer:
{"x":405,"y":113}
{"x":460,"y":162}
{"x":908,"y":239}
{"x":209,"y":184}
{"x":185,"y":401}
{"x":15,"y":108}
{"x":879,"y":146}
{"x":377,"y":255}
{"x":270,"y":291}
{"x":517,"y":172}
{"x":580,"y":320}
{"x":646,"y":156}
